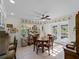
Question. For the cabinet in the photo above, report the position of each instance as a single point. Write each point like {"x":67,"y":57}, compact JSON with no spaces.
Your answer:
{"x":69,"y":53}
{"x":77,"y":33}
{"x":4,"y":42}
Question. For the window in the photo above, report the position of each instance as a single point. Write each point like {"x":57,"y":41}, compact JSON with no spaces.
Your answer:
{"x":64,"y":31}
{"x":55,"y":31}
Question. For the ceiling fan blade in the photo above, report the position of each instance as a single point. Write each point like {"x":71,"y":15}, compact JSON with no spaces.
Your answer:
{"x":46,"y":16}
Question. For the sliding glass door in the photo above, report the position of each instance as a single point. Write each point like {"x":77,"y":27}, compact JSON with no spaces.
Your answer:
{"x":64,"y":31}
{"x":60,"y":31}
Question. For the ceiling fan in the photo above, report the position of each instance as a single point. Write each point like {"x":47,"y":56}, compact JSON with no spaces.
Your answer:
{"x":43,"y":16}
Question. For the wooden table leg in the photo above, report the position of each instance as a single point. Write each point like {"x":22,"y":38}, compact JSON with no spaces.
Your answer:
{"x":42,"y":47}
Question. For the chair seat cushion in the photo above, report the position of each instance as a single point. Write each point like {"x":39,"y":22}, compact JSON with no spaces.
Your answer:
{"x":11,"y":47}
{"x":9,"y":55}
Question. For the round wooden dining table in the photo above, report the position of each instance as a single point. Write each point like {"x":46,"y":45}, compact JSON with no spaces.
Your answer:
{"x":42,"y":42}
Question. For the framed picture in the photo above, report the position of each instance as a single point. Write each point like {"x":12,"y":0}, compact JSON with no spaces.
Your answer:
{"x":9,"y":25}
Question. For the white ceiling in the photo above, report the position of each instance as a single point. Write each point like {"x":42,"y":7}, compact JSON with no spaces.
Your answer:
{"x":27,"y":8}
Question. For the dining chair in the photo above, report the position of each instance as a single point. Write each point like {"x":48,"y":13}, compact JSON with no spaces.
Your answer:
{"x":51,"y":38}
{"x":35,"y":37}
{"x":11,"y":53}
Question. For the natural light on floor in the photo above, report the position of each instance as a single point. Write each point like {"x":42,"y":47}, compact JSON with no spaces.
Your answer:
{"x":56,"y":50}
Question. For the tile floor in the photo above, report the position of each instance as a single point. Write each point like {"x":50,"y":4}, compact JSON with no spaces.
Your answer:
{"x":28,"y":53}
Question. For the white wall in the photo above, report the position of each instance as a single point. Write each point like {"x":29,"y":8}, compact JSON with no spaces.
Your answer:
{"x":72,"y":32}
